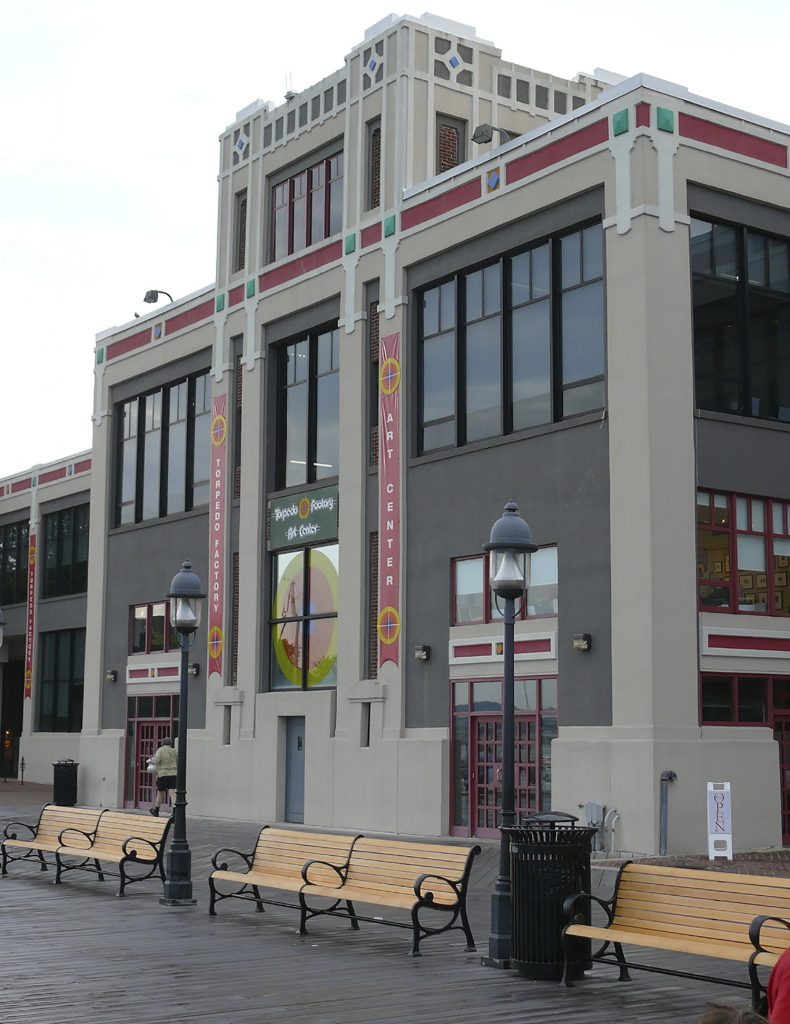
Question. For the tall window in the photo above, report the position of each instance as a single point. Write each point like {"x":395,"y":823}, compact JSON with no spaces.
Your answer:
{"x":307,"y":207}
{"x":304,"y":618}
{"x":163,"y":451}
{"x":743,"y":554}
{"x":741,"y":293}
{"x":309,"y":409}
{"x":374,"y":165}
{"x":13,"y":562}
{"x":150,"y":630}
{"x":450,"y":142}
{"x":65,"y":552}
{"x":514,"y":344}
{"x":61,"y":681}
{"x":240,"y":231}
{"x":472,"y":600}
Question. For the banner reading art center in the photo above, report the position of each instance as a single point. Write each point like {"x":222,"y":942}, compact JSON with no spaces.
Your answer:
{"x":216,"y":561}
{"x":389,"y":623}
{"x":31,"y":614}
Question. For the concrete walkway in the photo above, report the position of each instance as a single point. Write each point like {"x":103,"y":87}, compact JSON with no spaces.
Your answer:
{"x":78,"y":955}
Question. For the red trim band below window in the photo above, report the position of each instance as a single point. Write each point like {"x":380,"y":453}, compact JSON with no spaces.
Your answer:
{"x":554,"y":152}
{"x":134,"y":341}
{"x":643,"y":115}
{"x":139,"y":673}
{"x":733,"y":140}
{"x":236,"y":295}
{"x":370,"y":235}
{"x":472,"y":650}
{"x":301,"y":265}
{"x":189,"y":317}
{"x":82,"y":467}
{"x":167,"y":672}
{"x":531,"y":646}
{"x":749,"y":643}
{"x":441,"y":204}
{"x":22,"y":485}
{"x":52,"y":474}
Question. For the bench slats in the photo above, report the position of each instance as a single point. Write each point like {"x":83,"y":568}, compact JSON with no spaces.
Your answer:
{"x":721,"y":951}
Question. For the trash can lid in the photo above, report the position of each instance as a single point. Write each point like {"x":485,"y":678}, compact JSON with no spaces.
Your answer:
{"x":65,"y":760}
{"x":550,"y":818}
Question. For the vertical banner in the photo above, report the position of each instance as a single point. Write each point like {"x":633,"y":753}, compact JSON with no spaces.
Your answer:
{"x":31,"y":613}
{"x":389,"y":623}
{"x":216,"y":559}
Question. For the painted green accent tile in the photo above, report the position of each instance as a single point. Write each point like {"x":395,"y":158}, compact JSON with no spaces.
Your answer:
{"x":351,"y":243}
{"x":665,"y":120}
{"x":389,"y":226}
{"x":220,"y":304}
{"x":34,"y":481}
{"x":250,"y":288}
{"x":620,"y":122}
{"x":99,"y":356}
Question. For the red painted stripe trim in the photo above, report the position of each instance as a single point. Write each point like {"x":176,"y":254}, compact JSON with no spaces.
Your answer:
{"x":167,"y":671}
{"x":554,"y":152}
{"x":472,"y":650}
{"x":82,"y":467}
{"x":531,"y":646}
{"x":119,"y":348}
{"x":302,"y":265}
{"x":643,"y":115}
{"x":370,"y":235}
{"x":189,"y":317}
{"x":733,"y":140}
{"x":441,"y":204}
{"x":138,"y":673}
{"x":749,"y":643}
{"x":236,"y":295}
{"x":52,"y":474}
{"x":22,"y":485}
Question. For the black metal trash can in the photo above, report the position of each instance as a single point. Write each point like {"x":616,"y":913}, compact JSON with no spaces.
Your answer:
{"x":64,"y":789}
{"x":549,"y":861}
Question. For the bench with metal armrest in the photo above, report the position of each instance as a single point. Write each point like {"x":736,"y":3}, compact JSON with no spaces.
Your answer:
{"x":44,"y":836}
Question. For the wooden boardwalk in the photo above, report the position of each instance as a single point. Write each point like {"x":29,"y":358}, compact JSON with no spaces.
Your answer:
{"x":77,"y":955}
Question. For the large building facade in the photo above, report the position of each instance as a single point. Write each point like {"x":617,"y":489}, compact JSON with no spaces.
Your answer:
{"x":589,"y":313}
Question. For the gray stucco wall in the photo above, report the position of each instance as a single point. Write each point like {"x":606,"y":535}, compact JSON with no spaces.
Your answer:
{"x":560,"y":480}
{"x":141,"y":563}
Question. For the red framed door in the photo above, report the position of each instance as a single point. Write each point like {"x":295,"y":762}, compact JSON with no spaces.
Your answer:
{"x":149,"y":738}
{"x":782,"y":737}
{"x":486,"y":789}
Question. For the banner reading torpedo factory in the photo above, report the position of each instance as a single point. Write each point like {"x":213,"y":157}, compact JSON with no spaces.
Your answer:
{"x":216,"y":560}
{"x":389,"y":623}
{"x":31,"y":606}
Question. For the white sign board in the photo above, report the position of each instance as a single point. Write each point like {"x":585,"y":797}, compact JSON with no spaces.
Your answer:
{"x":719,"y":820}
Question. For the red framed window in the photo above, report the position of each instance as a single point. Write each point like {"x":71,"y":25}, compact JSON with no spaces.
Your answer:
{"x":743,"y":554}
{"x":150,"y":630}
{"x":307,"y":207}
{"x":472,"y":600}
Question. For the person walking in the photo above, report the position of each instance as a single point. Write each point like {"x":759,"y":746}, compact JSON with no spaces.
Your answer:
{"x":165,"y":764}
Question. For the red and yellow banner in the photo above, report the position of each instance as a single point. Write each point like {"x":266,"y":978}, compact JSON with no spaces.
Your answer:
{"x":216,"y":559}
{"x":31,"y":614}
{"x":389,"y":622}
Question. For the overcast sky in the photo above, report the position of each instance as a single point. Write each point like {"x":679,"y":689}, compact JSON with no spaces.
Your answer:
{"x":109,"y":118}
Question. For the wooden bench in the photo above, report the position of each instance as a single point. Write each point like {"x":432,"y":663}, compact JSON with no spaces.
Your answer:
{"x":44,"y":835}
{"x":394,"y":873}
{"x":119,"y":838}
{"x":276,"y":862}
{"x":715,"y":914}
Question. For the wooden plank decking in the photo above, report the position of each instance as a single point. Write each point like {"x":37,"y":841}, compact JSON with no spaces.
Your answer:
{"x":77,"y":955}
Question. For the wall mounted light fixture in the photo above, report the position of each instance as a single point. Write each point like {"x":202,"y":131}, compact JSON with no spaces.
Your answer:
{"x":152,"y":295}
{"x":111,"y":675}
{"x":194,"y":668}
{"x":422,"y":652}
{"x":582,"y":641}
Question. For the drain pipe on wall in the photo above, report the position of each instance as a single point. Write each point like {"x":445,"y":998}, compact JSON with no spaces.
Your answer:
{"x":666,"y":778}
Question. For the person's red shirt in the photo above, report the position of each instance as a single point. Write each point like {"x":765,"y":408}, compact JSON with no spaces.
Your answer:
{"x":779,"y":991}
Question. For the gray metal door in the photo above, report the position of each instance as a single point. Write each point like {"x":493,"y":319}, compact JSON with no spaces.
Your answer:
{"x":294,"y":769}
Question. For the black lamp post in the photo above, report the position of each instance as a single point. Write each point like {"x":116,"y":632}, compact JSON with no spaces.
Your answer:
{"x":186,"y":596}
{"x":2,"y":626}
{"x":509,"y":549}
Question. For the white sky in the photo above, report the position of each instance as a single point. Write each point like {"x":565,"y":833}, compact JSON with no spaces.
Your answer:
{"x":109,"y":118}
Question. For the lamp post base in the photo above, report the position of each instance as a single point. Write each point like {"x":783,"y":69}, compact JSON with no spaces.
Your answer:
{"x":177,"y":890}
{"x":188,"y":901}
{"x":499,"y":938}
{"x":492,"y":961}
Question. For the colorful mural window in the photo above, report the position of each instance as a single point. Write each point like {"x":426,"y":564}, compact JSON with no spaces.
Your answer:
{"x":304,"y":618}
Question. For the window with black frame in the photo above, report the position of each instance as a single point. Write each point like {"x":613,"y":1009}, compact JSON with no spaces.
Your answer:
{"x":304,"y":618}
{"x":13,"y":562}
{"x":65,"y":552}
{"x":309,"y":409}
{"x":741,"y":295}
{"x":163,"y":451}
{"x":307,"y":207}
{"x":514,"y":344}
{"x":61,"y":678}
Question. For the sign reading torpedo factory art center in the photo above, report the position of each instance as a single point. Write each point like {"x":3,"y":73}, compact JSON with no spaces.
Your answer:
{"x":216,"y":560}
{"x":389,"y":623}
{"x":298,"y":520}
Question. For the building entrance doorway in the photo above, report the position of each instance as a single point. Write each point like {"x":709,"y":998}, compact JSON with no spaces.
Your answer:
{"x":150,"y":719}
{"x":11,"y":703}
